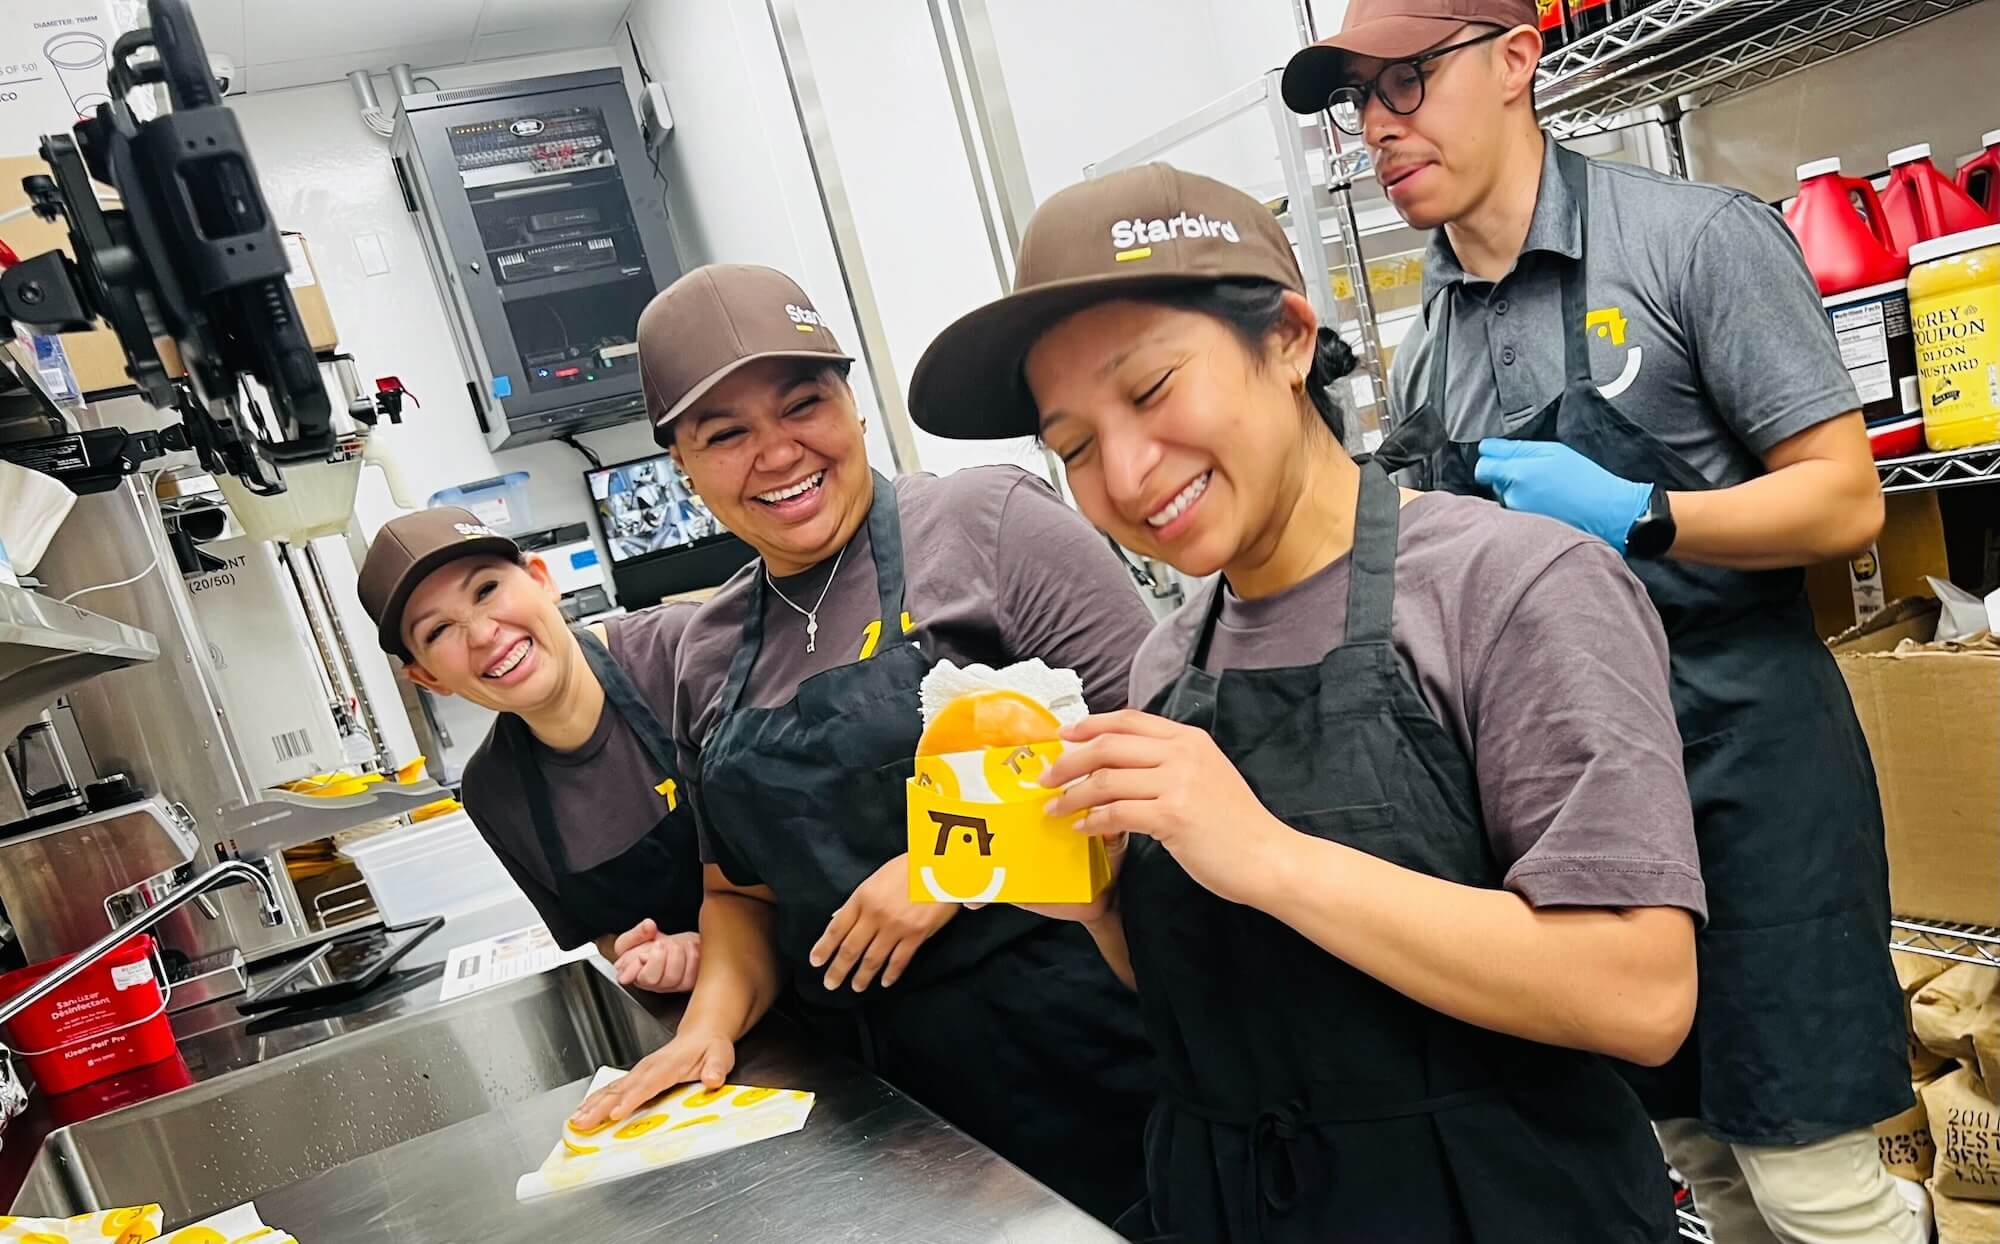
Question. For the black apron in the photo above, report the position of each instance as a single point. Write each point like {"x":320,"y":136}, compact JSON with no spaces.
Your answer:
{"x":1008,"y":1025}
{"x":1799,"y":1033}
{"x":657,"y":877}
{"x":1308,"y":1101}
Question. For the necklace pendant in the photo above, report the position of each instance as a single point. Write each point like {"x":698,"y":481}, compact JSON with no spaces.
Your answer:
{"x":812,"y":630}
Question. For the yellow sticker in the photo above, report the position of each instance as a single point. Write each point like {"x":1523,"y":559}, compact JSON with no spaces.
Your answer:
{"x":707,"y":1097}
{"x":697,"y":1121}
{"x":751,"y":1096}
{"x":573,"y":1147}
{"x":197,"y":1235}
{"x":639,"y":1127}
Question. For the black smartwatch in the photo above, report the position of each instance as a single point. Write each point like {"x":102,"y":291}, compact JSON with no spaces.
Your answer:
{"x":1654,"y":531}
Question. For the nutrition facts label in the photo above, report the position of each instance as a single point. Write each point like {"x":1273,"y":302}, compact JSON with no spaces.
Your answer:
{"x":1864,"y":330}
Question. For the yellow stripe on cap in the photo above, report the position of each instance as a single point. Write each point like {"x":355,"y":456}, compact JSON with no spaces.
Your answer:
{"x":1142,"y":252}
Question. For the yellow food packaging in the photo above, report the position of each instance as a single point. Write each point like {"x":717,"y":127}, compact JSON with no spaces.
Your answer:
{"x":979,"y":832}
{"x":133,"y":1225}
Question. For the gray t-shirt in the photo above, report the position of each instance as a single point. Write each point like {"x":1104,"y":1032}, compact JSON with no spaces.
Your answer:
{"x":1704,"y":328}
{"x":604,"y":794}
{"x":996,"y":569}
{"x":1537,"y":648}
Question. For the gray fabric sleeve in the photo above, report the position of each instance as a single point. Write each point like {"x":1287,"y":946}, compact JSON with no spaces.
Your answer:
{"x":1064,"y":596}
{"x":1760,"y":339}
{"x":1576,"y":751}
{"x":568,"y":933}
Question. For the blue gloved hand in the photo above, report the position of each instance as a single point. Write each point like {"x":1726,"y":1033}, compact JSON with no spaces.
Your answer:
{"x":1548,"y":478}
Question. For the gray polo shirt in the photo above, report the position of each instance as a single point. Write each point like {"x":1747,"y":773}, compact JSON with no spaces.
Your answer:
{"x":1704,"y":327}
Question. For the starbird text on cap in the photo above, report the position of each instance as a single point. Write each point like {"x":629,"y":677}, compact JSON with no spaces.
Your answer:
{"x":1127,"y":234}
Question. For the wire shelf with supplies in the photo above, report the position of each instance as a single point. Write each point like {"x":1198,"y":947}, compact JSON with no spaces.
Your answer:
{"x":1918,"y":472}
{"x":1684,"y":54}
{"x":1693,"y":1228}
{"x":1961,"y":943}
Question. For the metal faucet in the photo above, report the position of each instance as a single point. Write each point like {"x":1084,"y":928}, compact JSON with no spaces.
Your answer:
{"x":228,"y":872}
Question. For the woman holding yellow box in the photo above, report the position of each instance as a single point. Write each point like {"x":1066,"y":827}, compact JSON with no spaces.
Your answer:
{"x":797,"y":718}
{"x":1412,"y":857}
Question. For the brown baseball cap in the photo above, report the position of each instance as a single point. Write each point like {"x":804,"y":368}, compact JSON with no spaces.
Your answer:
{"x":1140,"y":229}
{"x":1389,"y":30}
{"x":713,"y":321}
{"x":406,"y":550}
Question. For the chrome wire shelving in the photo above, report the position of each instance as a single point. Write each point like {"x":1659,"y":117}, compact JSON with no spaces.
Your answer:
{"x":1680,"y":55}
{"x":1960,"y":943}
{"x":1918,"y":472}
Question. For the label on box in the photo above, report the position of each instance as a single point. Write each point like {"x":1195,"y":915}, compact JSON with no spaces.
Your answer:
{"x":131,"y":975}
{"x":979,"y":832}
{"x":298,"y":269}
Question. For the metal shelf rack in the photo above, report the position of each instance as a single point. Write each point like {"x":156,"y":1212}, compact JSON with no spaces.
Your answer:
{"x":1679,"y":55}
{"x":1961,"y":943}
{"x":1918,"y":472}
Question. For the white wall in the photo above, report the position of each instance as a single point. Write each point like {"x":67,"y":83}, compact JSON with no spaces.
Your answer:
{"x":740,"y":183}
{"x":329,"y":176}
{"x":1934,"y":84}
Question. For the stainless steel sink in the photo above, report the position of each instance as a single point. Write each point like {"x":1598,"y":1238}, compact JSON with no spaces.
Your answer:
{"x":277,"y":1113}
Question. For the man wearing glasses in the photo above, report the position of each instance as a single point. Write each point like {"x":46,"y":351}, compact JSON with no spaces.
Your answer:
{"x":1647,"y":360}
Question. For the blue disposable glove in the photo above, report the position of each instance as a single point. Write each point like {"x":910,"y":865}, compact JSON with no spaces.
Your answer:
{"x":1549,"y":478}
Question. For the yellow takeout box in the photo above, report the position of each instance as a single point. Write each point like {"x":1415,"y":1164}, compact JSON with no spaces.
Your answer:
{"x":979,"y":832}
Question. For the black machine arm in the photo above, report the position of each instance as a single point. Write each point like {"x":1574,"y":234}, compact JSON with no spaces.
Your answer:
{"x":191,"y":253}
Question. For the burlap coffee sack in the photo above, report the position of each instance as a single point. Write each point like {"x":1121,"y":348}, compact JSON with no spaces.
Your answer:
{"x":1913,"y":972}
{"x":1964,"y":1222}
{"x":1965,"y":1127}
{"x":1951,"y":1014}
{"x":1905,"y":1141}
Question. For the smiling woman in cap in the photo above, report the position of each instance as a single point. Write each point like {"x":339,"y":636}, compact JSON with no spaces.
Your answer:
{"x":575,"y":787}
{"x":797,"y":718}
{"x":1410,"y":850}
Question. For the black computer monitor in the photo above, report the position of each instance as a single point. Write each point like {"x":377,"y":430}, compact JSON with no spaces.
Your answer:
{"x":661,"y":537}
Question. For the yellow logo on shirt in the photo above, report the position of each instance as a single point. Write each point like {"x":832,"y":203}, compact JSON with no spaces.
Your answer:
{"x":671,"y":790}
{"x":871,"y":635}
{"x":1608,"y":323}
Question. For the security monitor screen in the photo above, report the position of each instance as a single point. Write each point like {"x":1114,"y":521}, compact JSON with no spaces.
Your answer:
{"x":645,"y":507}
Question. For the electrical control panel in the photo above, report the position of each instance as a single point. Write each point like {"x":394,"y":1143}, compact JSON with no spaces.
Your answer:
{"x":546,"y":229}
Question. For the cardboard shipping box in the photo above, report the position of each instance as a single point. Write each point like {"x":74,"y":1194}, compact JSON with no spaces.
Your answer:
{"x":94,"y":357}
{"x":1911,"y":546}
{"x":1932,"y":716}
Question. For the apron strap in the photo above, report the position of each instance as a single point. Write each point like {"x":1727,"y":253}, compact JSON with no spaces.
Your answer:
{"x":623,"y":695}
{"x":541,"y":809}
{"x":885,"y":542}
{"x":1575,"y":294}
{"x":1438,"y":381}
{"x":1371,"y":580}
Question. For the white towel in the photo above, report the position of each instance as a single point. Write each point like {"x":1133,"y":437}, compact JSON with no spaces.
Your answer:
{"x":32,"y":506}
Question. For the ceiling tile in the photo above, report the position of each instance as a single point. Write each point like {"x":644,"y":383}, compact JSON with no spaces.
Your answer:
{"x":574,"y":23}
{"x":277,"y":76}
{"x":285,"y":30}
{"x":221,"y":26}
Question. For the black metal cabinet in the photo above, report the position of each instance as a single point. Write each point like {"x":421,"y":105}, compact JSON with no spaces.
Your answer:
{"x":547,"y":234}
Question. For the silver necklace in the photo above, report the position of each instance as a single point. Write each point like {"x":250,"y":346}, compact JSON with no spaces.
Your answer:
{"x":811,"y":615}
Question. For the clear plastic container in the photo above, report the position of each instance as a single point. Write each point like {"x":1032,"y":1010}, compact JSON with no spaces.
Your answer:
{"x":501,"y":502}
{"x":436,"y":868}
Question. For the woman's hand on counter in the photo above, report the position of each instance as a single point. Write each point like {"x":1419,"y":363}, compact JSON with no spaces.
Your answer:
{"x":1133,"y":772}
{"x":689,"y":1056}
{"x":877,"y":930}
{"x":656,"y":961}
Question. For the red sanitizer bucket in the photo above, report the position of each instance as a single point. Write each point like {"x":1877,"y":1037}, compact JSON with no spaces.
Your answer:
{"x":110,"y":1019}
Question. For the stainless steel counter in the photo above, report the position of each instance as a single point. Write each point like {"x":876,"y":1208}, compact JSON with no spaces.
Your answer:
{"x":405,"y":1119}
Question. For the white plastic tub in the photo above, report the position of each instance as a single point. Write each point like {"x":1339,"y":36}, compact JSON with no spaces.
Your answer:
{"x":436,"y":868}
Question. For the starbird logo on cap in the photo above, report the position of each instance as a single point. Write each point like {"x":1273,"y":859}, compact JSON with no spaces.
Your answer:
{"x":1133,"y":239}
{"x":805,"y":319}
{"x":473,"y":531}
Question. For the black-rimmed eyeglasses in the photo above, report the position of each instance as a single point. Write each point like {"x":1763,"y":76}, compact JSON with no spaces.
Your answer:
{"x":1400,"y":86}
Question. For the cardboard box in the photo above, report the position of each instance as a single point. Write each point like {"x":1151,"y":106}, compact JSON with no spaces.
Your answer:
{"x":1911,"y":546}
{"x":95,"y":358}
{"x":1932,"y":716}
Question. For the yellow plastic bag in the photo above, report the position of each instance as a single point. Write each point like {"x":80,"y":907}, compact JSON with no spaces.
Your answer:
{"x":979,"y":832}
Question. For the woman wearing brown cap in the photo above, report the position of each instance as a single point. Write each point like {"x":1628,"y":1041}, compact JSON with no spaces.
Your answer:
{"x":575,"y":787}
{"x":1411,"y":854}
{"x":797,"y":717}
